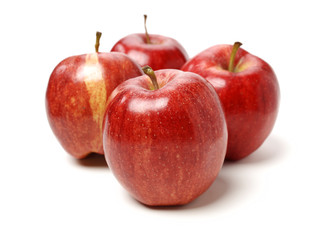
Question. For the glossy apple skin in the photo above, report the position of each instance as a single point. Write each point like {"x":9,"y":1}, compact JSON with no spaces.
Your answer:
{"x":77,"y":94}
{"x":249,"y":96}
{"x":162,"y":53}
{"x":165,"y":146}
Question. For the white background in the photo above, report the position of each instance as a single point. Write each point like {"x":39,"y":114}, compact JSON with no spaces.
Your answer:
{"x":285,"y":190}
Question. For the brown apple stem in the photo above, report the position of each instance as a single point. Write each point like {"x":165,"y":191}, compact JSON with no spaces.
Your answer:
{"x":231,"y":66}
{"x":146,"y":31}
{"x":148,"y":71}
{"x":97,"y":41}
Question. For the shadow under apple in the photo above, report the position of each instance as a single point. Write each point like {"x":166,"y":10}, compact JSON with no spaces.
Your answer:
{"x":93,"y":160}
{"x":215,"y":192}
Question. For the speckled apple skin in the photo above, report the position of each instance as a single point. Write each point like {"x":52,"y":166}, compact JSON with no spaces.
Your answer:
{"x":77,"y":94}
{"x":165,"y":146}
{"x":162,"y":53}
{"x":249,"y":95}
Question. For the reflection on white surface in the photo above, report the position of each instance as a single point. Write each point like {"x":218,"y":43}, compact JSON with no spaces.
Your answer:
{"x":144,"y":105}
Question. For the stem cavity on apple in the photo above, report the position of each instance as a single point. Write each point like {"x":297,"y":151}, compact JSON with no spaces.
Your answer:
{"x":148,"y":71}
{"x":232,"y":56}
{"x":146,"y":31}
{"x":97,"y":41}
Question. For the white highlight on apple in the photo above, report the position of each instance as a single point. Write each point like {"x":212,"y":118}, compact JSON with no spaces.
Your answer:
{"x":142,"y":106}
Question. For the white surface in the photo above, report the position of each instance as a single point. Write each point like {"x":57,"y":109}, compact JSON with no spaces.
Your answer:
{"x":285,"y":190}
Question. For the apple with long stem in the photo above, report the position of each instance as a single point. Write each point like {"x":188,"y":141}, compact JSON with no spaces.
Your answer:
{"x":165,"y":136}
{"x":248,"y":90}
{"x":77,"y":93}
{"x":157,"y":51}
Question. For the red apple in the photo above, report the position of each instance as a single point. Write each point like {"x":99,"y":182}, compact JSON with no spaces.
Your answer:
{"x":249,"y":93}
{"x":77,"y":94}
{"x":165,"y":141}
{"x":159,"y":52}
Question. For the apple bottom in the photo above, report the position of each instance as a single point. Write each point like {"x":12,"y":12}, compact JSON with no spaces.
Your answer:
{"x":78,"y":136}
{"x":158,"y":177}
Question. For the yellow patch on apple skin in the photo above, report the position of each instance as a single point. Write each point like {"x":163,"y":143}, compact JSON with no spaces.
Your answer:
{"x":96,"y":87}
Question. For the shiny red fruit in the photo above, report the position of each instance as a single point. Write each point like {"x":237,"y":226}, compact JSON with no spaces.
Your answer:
{"x":165,"y":146}
{"x":249,"y":95}
{"x":162,"y":53}
{"x":76,"y":98}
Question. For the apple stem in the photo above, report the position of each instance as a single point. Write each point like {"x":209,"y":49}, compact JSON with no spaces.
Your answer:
{"x":148,"y":71}
{"x":97,"y":41}
{"x":146,"y":31}
{"x":232,"y":56}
